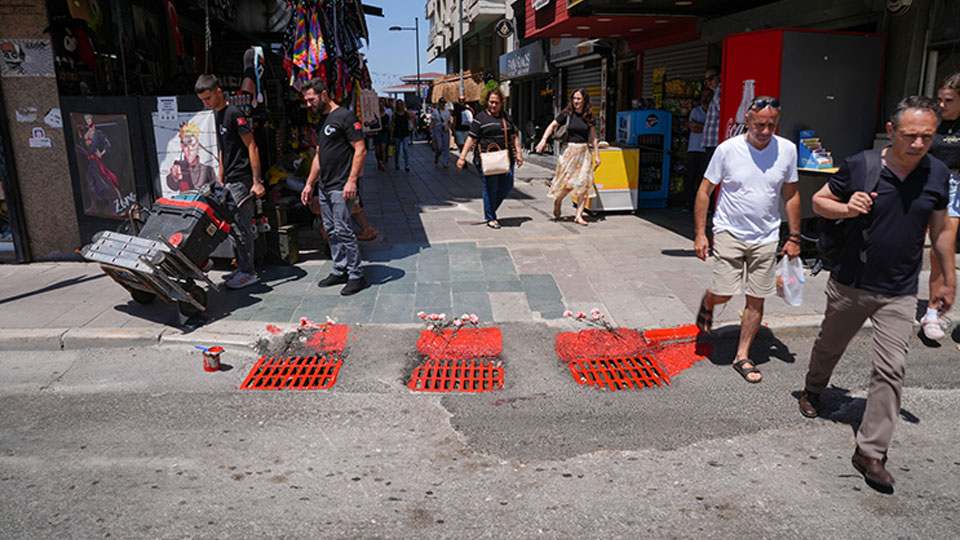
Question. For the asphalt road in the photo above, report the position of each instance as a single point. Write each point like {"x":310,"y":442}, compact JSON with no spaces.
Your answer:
{"x":142,"y":443}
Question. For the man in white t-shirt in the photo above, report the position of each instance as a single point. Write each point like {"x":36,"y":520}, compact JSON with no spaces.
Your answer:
{"x":440,"y":126}
{"x":752,"y":170}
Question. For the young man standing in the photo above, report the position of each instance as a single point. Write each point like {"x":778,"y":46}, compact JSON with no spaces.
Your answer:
{"x":336,"y":165}
{"x":876,"y":276}
{"x":753,"y":170}
{"x":239,"y":173}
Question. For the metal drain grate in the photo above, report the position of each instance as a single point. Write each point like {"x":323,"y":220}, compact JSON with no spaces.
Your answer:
{"x":619,"y":373}
{"x":457,"y":376}
{"x":295,"y":373}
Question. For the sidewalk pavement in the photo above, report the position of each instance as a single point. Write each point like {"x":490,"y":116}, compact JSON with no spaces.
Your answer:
{"x":434,"y":254}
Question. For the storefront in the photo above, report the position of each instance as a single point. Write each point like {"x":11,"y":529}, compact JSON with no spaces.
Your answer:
{"x":531,"y":106}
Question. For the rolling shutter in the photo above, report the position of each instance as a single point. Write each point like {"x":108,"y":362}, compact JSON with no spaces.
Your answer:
{"x":685,"y":61}
{"x":585,"y":75}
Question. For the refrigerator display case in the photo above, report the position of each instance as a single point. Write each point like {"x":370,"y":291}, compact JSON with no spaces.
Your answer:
{"x":649,"y":131}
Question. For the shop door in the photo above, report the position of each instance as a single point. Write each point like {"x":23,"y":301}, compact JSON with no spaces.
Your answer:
{"x":686,"y":61}
{"x":586,"y":75}
{"x":12,"y":242}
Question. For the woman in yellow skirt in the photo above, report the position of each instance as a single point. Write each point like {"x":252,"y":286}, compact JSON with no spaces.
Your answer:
{"x":575,"y":168}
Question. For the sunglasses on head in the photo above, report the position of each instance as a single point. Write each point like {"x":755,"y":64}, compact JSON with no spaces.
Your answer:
{"x":762,"y":103}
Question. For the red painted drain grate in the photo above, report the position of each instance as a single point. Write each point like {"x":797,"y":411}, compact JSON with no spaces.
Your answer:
{"x":457,"y":376}
{"x":619,"y":373}
{"x":296,"y":373}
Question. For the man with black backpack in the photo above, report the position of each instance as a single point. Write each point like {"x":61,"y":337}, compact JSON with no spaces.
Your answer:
{"x":886,"y":200}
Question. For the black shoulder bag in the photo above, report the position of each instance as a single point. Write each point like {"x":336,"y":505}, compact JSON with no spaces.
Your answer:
{"x":834,"y":232}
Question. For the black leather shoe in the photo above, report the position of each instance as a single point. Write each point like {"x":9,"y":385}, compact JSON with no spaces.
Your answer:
{"x":331,"y":280}
{"x":810,"y":404}
{"x":872,"y":470}
{"x":354,"y":286}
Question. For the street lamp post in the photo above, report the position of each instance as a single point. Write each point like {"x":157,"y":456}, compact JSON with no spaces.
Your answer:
{"x":460,"y":7}
{"x":416,"y":29}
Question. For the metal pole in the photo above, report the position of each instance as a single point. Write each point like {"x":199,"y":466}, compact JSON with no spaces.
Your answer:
{"x":416,"y":28}
{"x":460,"y":6}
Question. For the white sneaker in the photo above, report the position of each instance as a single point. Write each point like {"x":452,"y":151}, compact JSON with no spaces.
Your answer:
{"x":242,"y":280}
{"x":932,"y":329}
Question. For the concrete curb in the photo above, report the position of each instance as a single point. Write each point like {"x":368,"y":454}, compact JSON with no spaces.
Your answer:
{"x":85,"y":338}
{"x":47,"y":339}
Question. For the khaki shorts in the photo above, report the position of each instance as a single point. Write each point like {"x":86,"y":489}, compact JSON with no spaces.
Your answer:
{"x":731,"y":258}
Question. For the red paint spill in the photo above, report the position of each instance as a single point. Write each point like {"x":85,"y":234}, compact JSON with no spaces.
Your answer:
{"x":686,"y":332}
{"x":677,"y":357}
{"x":329,"y":338}
{"x":593,"y":343}
{"x":274,"y":329}
{"x":465,"y":344}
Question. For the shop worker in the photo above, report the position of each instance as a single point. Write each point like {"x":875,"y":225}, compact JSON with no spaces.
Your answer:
{"x":336,"y":167}
{"x":752,"y":170}
{"x":711,"y":125}
{"x":876,"y":276}
{"x":239,"y":173}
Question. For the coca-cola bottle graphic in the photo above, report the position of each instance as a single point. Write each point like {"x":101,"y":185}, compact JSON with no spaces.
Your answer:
{"x":736,"y":125}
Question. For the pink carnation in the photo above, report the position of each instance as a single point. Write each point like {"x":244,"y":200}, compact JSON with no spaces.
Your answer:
{"x":568,"y":313}
{"x":581,"y":315}
{"x":474,"y":319}
{"x":442,"y":317}
{"x":457,"y":322}
{"x":422,"y":315}
{"x":465,"y":317}
{"x":330,"y":321}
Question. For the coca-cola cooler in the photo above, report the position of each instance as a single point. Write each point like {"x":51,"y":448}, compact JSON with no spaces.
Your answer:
{"x":826,"y":81}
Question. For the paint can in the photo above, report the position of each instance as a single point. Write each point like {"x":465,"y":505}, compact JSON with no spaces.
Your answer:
{"x":211,"y":359}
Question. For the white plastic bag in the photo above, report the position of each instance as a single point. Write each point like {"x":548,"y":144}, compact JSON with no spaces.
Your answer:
{"x":790,"y":280}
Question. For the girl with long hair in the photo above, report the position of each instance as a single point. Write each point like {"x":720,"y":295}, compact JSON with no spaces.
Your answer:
{"x":574,"y":174}
{"x":400,"y":133}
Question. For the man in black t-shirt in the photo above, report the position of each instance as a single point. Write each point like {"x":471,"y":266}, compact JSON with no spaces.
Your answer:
{"x":336,"y":166}
{"x":876,"y":277}
{"x":239,"y":173}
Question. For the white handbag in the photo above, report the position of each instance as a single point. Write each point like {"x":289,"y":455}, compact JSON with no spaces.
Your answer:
{"x":494,"y":162}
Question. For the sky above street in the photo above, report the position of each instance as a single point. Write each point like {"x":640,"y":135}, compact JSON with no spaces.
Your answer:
{"x":391,"y":55}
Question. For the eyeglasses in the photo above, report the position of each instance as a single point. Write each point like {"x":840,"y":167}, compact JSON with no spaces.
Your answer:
{"x":762,"y":103}
{"x":710,"y":78}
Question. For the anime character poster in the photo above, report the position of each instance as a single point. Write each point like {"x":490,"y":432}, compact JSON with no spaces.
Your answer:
{"x":26,"y":58}
{"x":186,"y":151}
{"x":105,"y":164}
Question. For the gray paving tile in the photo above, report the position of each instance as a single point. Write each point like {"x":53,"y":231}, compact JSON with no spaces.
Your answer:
{"x":505,"y":285}
{"x":353,"y":314}
{"x":470,"y":286}
{"x":366,"y":297}
{"x":330,"y":299}
{"x":398,"y":287}
{"x":439,"y":271}
{"x":394,"y":308}
{"x":472,"y":302}
{"x":432,"y":294}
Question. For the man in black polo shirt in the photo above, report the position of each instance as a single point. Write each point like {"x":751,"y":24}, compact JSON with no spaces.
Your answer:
{"x":239,"y":174}
{"x":876,"y":277}
{"x":337,"y":164}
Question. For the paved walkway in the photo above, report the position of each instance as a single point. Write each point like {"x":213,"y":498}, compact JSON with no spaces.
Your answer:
{"x":435,"y":254}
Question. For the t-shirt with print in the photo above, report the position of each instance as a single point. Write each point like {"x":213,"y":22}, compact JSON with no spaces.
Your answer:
{"x":487,"y":129}
{"x":577,"y":130}
{"x":231,"y":126}
{"x":335,"y":132}
{"x":750,"y":180}
{"x":896,"y":225}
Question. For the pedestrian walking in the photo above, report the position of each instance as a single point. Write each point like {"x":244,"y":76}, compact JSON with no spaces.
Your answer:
{"x":336,"y":167}
{"x":696,"y":154}
{"x":382,"y":138}
{"x":711,"y":123}
{"x":876,"y":275}
{"x":574,"y":173}
{"x":462,"y":117}
{"x":440,"y":124}
{"x":400,"y":134}
{"x":492,"y":128}
{"x":239,"y":173}
{"x":946,"y":148}
{"x":752,"y":170}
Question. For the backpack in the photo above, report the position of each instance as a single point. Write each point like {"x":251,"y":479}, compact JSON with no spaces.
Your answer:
{"x":835,"y":232}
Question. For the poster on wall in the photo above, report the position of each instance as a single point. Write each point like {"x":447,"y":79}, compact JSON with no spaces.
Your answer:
{"x":105,"y":164}
{"x":186,"y":151}
{"x":26,"y":58}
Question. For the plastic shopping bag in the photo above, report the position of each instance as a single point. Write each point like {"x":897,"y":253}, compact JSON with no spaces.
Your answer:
{"x":790,"y":280}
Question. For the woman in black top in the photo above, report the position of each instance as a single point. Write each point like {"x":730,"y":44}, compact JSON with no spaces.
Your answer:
{"x":492,"y":127}
{"x":576,"y":165}
{"x":382,"y":138}
{"x":400,"y":133}
{"x":946,"y":148}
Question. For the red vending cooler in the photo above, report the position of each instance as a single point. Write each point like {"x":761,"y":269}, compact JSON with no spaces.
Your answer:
{"x":826,"y":81}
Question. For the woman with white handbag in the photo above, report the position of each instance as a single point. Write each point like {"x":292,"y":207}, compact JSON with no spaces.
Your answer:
{"x":576,"y":125}
{"x":495,"y":135}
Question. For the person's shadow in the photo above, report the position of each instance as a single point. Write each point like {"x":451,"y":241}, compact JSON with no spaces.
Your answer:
{"x":766,"y":347}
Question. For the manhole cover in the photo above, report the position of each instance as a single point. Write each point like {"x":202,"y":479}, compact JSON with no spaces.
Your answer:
{"x":295,"y":373}
{"x":457,"y":376}
{"x":435,"y":205}
{"x":619,"y":373}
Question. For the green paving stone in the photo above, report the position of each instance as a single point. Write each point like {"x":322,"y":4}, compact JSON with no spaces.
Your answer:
{"x":433,"y":273}
{"x":471,"y":302}
{"x":398,"y":287}
{"x":504,"y":286}
{"x":352,"y":315}
{"x":469,"y":286}
{"x":326,"y":300}
{"x":396,"y":308}
{"x":494,"y":253}
{"x":366,"y":297}
{"x":552,"y":310}
{"x":432,"y":294}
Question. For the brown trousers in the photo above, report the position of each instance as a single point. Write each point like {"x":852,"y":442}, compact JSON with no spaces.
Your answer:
{"x":892,"y":318}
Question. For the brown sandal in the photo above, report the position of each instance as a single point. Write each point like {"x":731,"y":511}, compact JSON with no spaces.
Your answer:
{"x":704,"y":316}
{"x":745,"y":371}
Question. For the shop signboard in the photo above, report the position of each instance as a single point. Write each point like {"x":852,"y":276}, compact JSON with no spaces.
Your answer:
{"x":370,"y":111}
{"x":104,"y":163}
{"x":540,"y":4}
{"x":523,"y":62}
{"x":186,"y":150}
{"x":566,"y":48}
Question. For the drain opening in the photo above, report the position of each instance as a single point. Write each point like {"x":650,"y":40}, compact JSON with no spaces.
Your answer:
{"x":457,"y":376}
{"x":294,"y":373}
{"x":619,"y":373}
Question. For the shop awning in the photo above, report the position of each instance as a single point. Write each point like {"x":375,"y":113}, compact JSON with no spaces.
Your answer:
{"x":448,"y":87}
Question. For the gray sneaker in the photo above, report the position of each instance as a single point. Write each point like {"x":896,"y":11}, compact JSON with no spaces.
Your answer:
{"x":241,"y":280}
